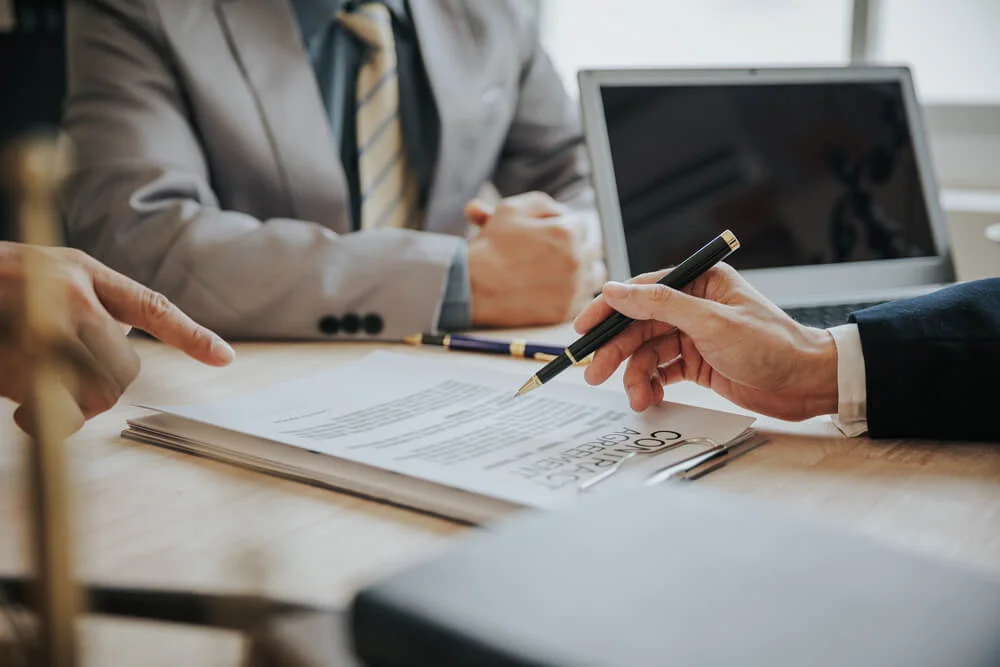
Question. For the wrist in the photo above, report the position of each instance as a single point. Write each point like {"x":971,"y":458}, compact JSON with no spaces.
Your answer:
{"x":476,"y":258}
{"x":484,"y":269}
{"x":456,"y":303}
{"x":819,"y":386}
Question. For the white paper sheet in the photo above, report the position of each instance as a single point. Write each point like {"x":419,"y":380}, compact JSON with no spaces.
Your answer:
{"x":444,"y":421}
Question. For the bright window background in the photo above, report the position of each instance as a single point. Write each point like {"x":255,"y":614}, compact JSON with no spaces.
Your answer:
{"x":953,"y":46}
{"x":579,"y":34}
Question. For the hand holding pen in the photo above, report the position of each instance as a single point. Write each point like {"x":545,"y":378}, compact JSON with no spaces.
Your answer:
{"x":605,"y":330}
{"x":724,"y":335}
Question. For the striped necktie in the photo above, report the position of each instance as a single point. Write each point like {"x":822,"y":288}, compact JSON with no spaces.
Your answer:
{"x":387,"y":183}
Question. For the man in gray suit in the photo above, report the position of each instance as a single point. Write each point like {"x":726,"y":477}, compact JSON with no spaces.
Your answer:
{"x":309,"y":168}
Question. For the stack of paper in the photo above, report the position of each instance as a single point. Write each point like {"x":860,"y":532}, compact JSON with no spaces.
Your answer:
{"x":435,"y":435}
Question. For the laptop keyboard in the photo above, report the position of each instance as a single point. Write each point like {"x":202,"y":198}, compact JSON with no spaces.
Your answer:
{"x":828,"y":315}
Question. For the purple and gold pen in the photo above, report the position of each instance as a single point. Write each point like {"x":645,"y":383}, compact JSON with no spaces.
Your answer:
{"x":511,"y":348}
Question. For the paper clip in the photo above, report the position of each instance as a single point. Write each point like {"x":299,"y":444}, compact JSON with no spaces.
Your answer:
{"x":678,"y":467}
{"x":586,"y":484}
{"x":687,"y":464}
{"x":719,"y":453}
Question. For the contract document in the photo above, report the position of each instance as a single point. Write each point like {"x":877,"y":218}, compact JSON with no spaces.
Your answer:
{"x":439,"y":435}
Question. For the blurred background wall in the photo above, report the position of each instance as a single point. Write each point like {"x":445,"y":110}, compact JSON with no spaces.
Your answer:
{"x":953,"y":47}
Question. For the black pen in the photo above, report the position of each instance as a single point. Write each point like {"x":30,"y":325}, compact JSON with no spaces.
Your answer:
{"x":511,"y":348}
{"x":680,"y":277}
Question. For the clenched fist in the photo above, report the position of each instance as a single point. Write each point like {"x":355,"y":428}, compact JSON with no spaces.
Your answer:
{"x":534,"y":262}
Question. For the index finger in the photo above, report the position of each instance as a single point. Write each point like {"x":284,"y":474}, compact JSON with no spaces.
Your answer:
{"x":599,"y":309}
{"x":135,"y":304}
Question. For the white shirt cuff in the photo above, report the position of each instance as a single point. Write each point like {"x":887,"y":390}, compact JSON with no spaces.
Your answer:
{"x":852,"y":396}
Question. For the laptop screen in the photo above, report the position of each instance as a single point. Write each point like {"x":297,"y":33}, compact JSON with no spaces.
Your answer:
{"x":803,"y":174}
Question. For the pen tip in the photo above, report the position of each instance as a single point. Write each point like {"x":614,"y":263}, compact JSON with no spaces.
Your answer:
{"x":530,"y":385}
{"x":414,"y":339}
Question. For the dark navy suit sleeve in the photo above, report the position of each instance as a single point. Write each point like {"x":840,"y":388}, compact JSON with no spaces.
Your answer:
{"x":932,"y":364}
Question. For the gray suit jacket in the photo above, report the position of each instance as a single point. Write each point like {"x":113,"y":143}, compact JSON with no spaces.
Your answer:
{"x":205,"y":166}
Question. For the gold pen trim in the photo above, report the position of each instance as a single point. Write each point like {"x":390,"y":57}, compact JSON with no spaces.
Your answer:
{"x":518,"y":347}
{"x":730,"y":238}
{"x":571,"y":357}
{"x":414,"y":339}
{"x":446,"y":341}
{"x":532,"y":383}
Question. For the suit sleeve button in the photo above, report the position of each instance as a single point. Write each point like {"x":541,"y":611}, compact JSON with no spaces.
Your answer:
{"x":350,"y":323}
{"x":373,"y":324}
{"x":329,"y":325}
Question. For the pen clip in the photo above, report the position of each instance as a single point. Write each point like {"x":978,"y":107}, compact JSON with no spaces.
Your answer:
{"x":732,"y":453}
{"x":715,"y":451}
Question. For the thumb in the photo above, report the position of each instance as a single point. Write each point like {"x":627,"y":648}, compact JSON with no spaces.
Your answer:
{"x":478,"y":212}
{"x":661,"y":303}
{"x":66,"y":417}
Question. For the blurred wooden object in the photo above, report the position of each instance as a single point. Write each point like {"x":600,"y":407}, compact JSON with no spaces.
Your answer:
{"x":37,"y":169}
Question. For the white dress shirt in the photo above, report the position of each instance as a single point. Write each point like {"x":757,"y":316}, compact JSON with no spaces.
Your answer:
{"x":852,"y":407}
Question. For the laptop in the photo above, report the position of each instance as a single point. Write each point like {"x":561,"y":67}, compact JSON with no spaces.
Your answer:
{"x":824,"y":175}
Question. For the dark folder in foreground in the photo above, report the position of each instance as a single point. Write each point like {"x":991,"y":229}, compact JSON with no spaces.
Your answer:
{"x":676,"y":576}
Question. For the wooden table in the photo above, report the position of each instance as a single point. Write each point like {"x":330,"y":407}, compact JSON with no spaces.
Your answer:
{"x":152,"y":517}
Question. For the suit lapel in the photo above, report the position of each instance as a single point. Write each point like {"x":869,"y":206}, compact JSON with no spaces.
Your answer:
{"x":266,"y":42}
{"x":442,"y":34}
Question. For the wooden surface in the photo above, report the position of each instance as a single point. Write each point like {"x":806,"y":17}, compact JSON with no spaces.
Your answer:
{"x":152,"y":517}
